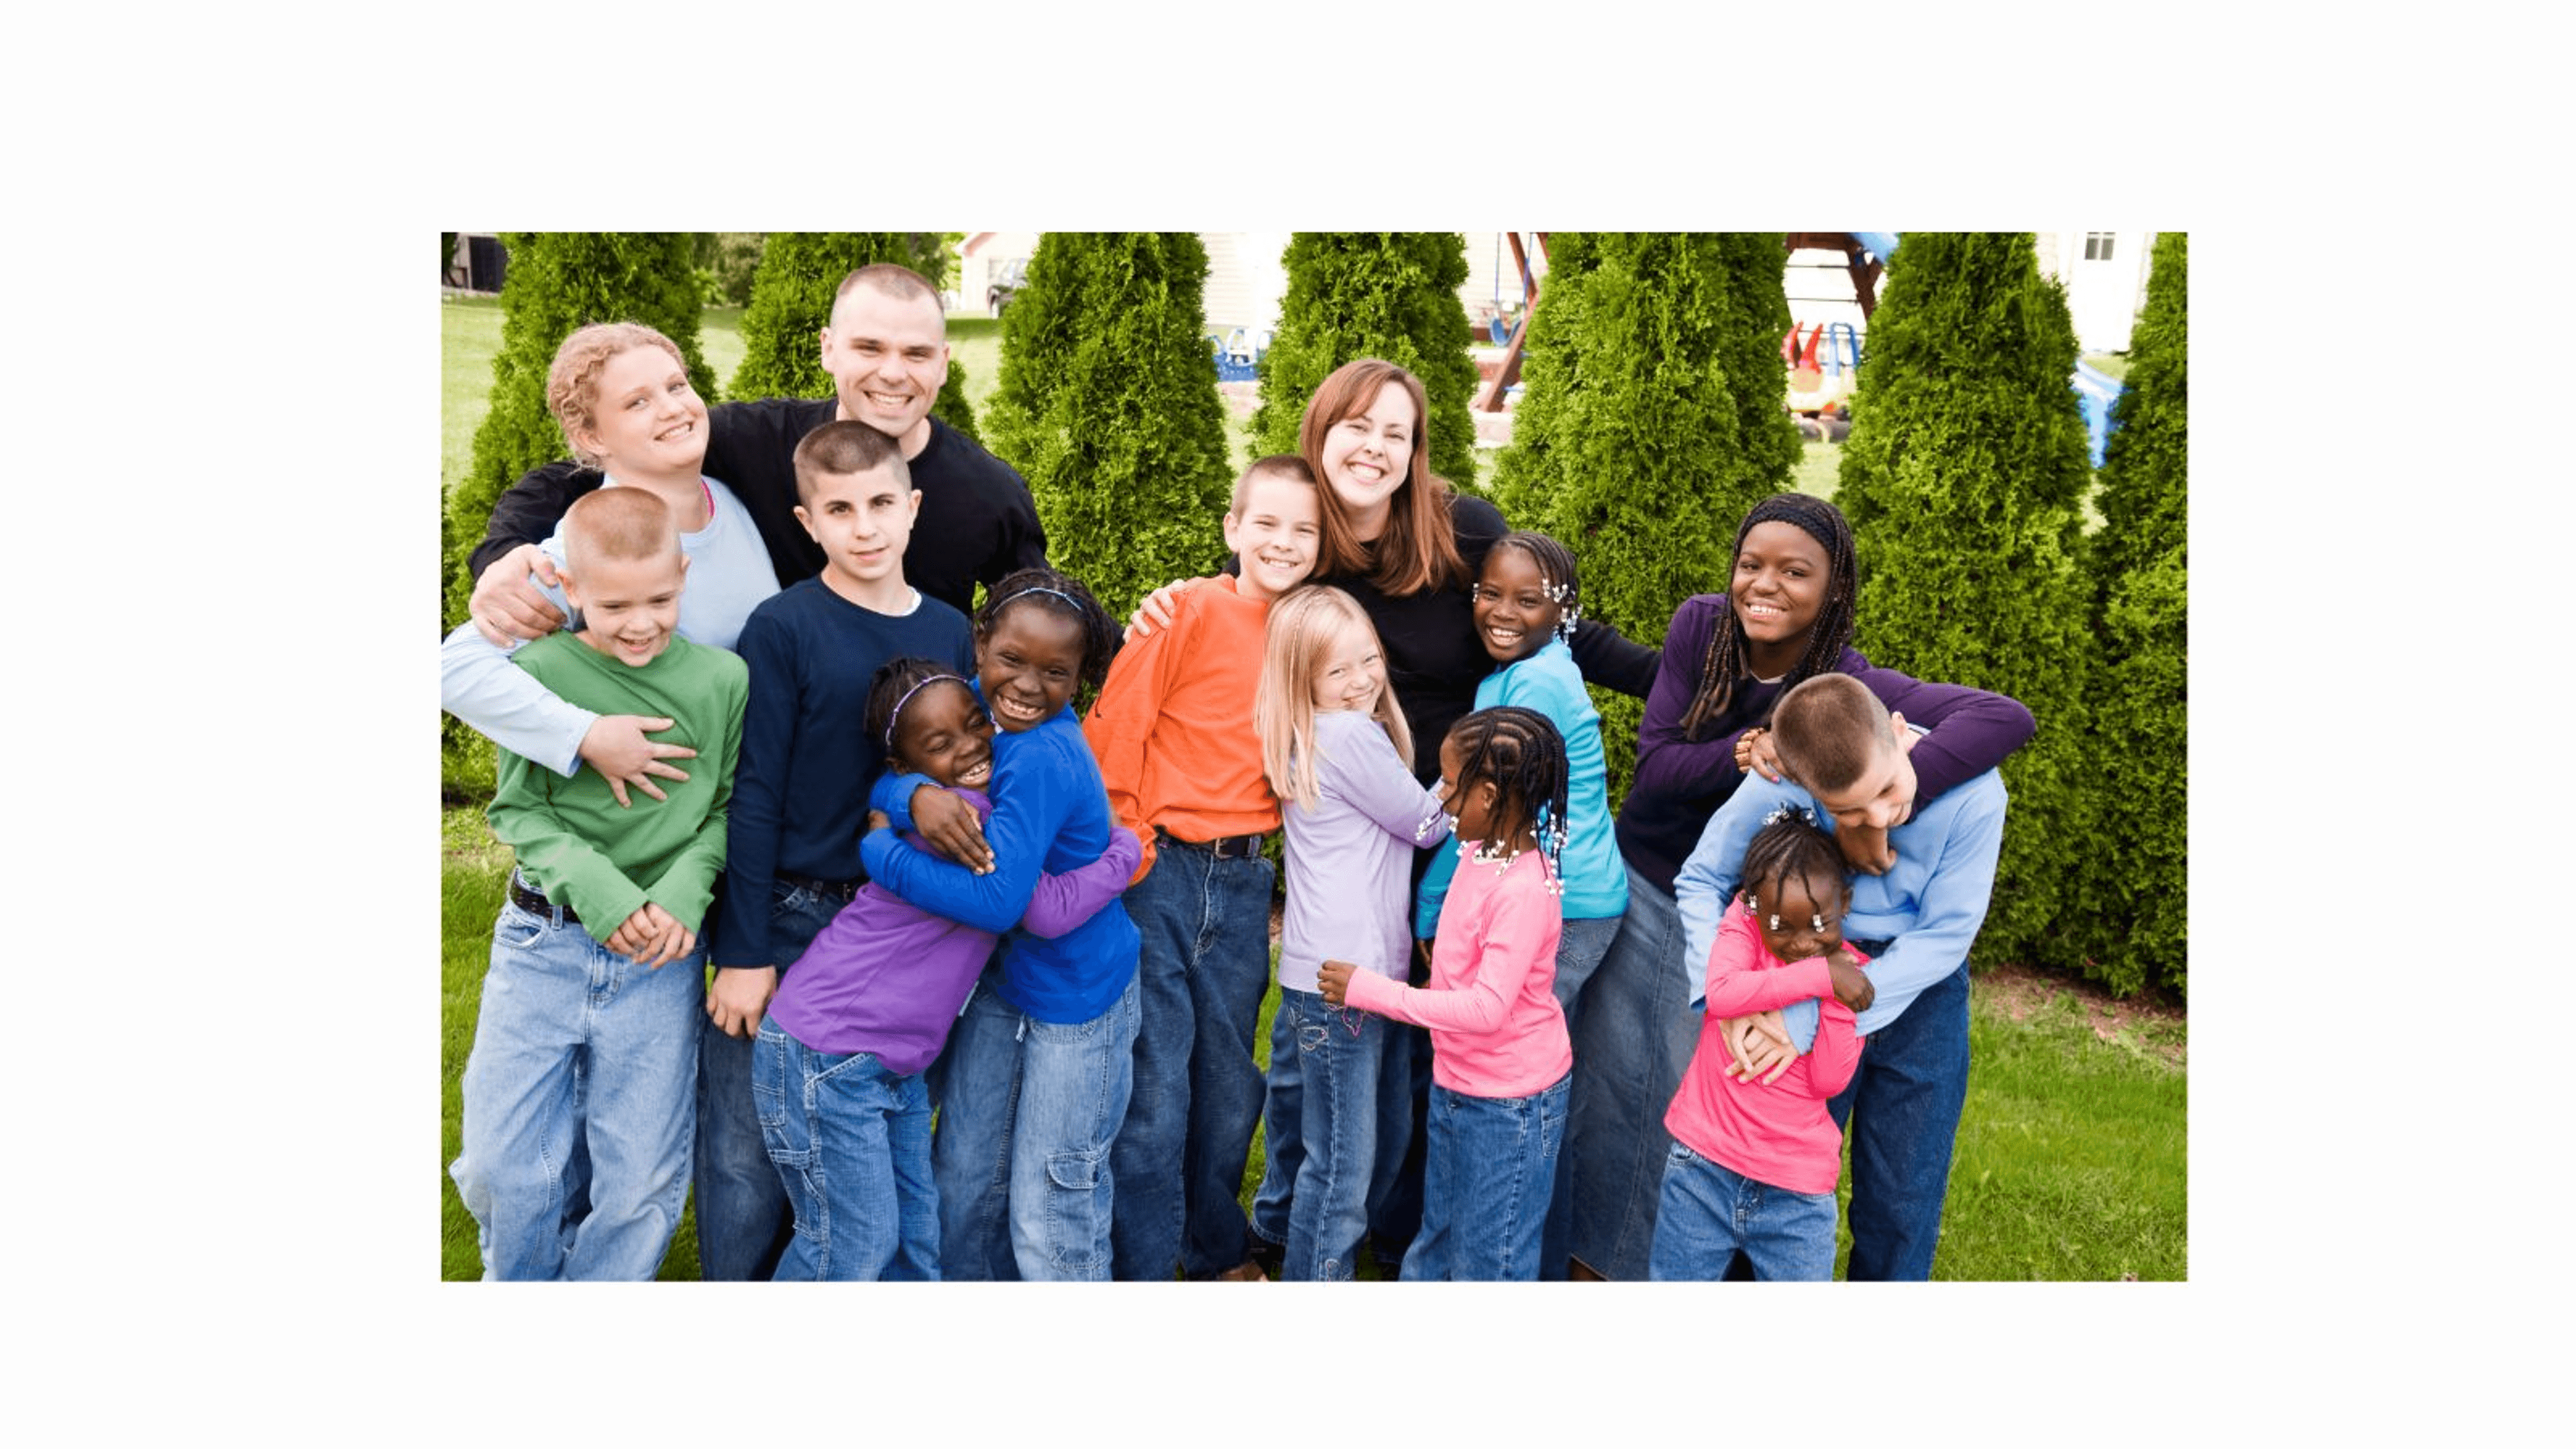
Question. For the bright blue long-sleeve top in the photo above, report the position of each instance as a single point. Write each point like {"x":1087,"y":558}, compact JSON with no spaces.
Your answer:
{"x":1594,"y":880}
{"x":1927,"y":907}
{"x":1051,"y":815}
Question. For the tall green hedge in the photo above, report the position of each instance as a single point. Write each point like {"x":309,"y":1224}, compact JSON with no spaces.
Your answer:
{"x":1385,"y":294}
{"x":1651,"y":421}
{"x":2135,"y":920}
{"x":1107,"y":404}
{"x":1962,"y":478}
{"x":556,"y":281}
{"x":791,"y":301}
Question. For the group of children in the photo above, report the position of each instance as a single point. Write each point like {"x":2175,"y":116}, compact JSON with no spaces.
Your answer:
{"x":1062,"y":937}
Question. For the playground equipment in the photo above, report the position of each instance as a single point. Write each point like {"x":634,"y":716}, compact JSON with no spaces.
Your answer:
{"x":1818,"y":388}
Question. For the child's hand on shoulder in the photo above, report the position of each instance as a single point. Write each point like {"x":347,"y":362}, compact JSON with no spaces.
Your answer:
{"x":1333,"y":979}
{"x":879,"y":820}
{"x":1851,"y":986}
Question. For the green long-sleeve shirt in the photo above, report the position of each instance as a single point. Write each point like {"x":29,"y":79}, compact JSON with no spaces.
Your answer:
{"x":574,"y":841}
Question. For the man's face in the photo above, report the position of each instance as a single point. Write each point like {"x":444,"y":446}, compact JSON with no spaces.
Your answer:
{"x":887,"y":356}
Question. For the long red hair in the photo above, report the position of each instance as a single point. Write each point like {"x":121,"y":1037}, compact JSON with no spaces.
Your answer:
{"x":1419,"y":549}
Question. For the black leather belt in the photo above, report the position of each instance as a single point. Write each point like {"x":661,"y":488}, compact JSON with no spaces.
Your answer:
{"x":841,"y":890}
{"x":532,"y":901}
{"x":1224,"y":847}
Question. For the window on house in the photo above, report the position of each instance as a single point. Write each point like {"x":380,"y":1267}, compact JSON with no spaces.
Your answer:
{"x":2097,"y":246}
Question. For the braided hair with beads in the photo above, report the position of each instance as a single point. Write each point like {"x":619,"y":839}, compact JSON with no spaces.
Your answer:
{"x":1556,"y":565}
{"x":1727,"y":663}
{"x":1520,"y":753}
{"x":1790,"y":845}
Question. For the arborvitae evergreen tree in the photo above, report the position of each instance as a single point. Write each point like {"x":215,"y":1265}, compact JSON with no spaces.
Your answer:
{"x":1107,"y":404}
{"x":1651,"y":421}
{"x":557,"y":281}
{"x":2134,"y":920}
{"x":1385,"y":294}
{"x":791,"y":301}
{"x":1962,"y":480}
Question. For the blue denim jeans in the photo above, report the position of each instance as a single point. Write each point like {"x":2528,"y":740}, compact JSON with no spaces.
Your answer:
{"x":1632,"y":1039}
{"x":1578,"y":956}
{"x":978,"y":1075}
{"x":1026,"y":1121}
{"x":1333,"y":1145}
{"x":1901,"y":1112}
{"x":1711,"y":1212}
{"x":743,"y":1220}
{"x":1203,"y":963}
{"x":1485,"y":1180}
{"x":578,"y":1050}
{"x":851,"y":1141}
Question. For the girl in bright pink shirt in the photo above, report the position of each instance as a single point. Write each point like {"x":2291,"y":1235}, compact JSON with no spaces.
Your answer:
{"x":1752,"y":1166}
{"x":1500,"y":1056}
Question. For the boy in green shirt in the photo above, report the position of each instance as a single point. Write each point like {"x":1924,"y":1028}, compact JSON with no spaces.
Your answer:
{"x":588,"y":1034}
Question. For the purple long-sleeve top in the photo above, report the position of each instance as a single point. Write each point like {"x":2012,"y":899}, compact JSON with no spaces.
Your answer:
{"x":889,"y":977}
{"x":1680,"y":783}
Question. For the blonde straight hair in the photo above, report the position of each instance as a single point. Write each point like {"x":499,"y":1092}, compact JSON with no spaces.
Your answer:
{"x":1304,"y":625}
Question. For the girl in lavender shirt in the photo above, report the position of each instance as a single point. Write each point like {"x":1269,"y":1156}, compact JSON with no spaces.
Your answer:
{"x":1334,"y":746}
{"x":836,"y":1070}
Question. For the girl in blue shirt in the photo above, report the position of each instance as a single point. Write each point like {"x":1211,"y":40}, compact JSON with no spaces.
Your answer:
{"x":1526,"y":601}
{"x":1038,"y":1069}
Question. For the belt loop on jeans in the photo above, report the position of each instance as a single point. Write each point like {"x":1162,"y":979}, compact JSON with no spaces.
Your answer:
{"x":841,"y":890}
{"x":1872,"y":949}
{"x":528,"y":898}
{"x":1224,"y":847}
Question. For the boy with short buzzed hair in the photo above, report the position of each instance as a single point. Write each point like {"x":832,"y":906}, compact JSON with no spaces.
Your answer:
{"x":588,"y":1031}
{"x":1916,"y":921}
{"x":1173,"y":732}
{"x":800,"y":805}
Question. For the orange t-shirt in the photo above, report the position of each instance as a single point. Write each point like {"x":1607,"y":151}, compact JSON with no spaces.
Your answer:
{"x":1172,"y":728}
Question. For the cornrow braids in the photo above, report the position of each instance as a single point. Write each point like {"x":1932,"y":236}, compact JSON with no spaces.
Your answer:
{"x":1791,"y":844}
{"x":894,"y":683}
{"x":1057,"y":593}
{"x":1726,"y":663}
{"x":1519,"y":751}
{"x":1556,"y":563}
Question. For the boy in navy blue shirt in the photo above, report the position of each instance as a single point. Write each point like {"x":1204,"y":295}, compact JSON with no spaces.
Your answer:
{"x":801,"y":798}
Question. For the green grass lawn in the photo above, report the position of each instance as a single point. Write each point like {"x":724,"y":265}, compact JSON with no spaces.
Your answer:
{"x":2071,"y":1160}
{"x":2071,"y":1157}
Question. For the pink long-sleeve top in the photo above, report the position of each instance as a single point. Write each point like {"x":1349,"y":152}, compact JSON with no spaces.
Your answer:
{"x":1779,"y":1134}
{"x":1496,"y":1030}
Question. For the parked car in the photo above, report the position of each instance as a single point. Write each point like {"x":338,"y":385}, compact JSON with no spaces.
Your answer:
{"x":1006,"y":283}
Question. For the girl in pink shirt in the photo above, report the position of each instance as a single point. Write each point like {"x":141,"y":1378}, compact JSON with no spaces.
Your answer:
{"x":1752,"y":1166}
{"x":1499,"y":1053}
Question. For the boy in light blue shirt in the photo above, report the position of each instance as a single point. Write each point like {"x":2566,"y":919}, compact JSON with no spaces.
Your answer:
{"x":1917,"y":922}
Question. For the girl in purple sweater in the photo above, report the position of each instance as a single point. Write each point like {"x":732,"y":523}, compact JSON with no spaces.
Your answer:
{"x":836,"y":1070}
{"x":1335,"y":749}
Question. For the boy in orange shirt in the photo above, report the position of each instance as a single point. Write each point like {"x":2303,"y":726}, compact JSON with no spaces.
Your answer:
{"x":1173,"y":733}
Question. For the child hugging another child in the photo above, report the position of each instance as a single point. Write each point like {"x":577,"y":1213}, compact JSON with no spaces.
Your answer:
{"x":1037,"y":1072}
{"x":1500,"y":1059}
{"x":836,"y":1071}
{"x":1752,"y":1167}
{"x":1334,"y":746}
{"x":588,"y":1036}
